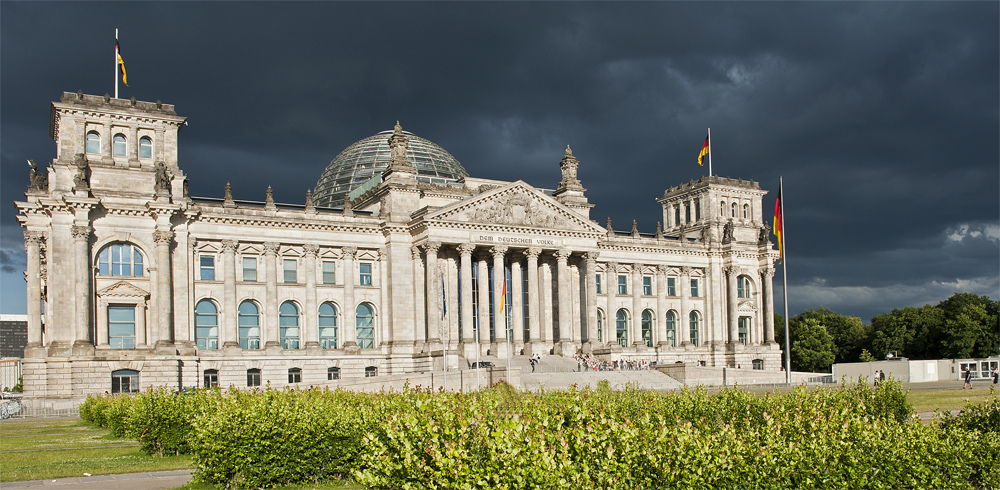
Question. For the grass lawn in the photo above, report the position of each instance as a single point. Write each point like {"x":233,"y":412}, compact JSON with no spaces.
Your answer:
{"x":947,"y":399}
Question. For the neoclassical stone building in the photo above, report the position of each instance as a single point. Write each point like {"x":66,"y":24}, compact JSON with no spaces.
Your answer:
{"x":401,"y":263}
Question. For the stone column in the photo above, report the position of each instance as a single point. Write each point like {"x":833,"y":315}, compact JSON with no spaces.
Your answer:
{"x":767,"y":276}
{"x":433,"y":285}
{"x":591,"y":306}
{"x":611,"y":317}
{"x":484,"y":301}
{"x":499,"y":279}
{"x":386,"y":326}
{"x":163,"y":333}
{"x":534,"y":328}
{"x":465,"y":258}
{"x":310,"y":336}
{"x":516,"y":306}
{"x":228,"y":330}
{"x":660,"y":321}
{"x":269,"y":326}
{"x":732,"y":273}
{"x":350,"y":326}
{"x":683,"y":323}
{"x":566,"y":347}
{"x":547,"y":329}
{"x":419,"y":306}
{"x":32,"y":245}
{"x":81,"y":251}
{"x":636,"y":306}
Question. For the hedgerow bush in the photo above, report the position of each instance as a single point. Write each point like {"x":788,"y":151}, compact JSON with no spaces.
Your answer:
{"x":852,"y":437}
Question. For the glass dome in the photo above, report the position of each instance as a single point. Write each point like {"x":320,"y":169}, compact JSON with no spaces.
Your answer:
{"x":370,"y":157}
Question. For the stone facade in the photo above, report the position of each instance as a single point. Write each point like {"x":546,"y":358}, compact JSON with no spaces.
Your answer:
{"x":144,"y":285}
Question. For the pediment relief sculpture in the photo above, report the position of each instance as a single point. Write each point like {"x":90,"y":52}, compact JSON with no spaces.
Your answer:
{"x":515,"y":206}
{"x":123,"y":289}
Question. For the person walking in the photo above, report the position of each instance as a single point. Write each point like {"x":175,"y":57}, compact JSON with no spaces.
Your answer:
{"x":968,"y":379}
{"x":996,"y":377}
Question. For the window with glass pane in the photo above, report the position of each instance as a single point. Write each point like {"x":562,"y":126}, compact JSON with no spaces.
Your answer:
{"x":694,"y":328}
{"x":250,"y":269}
{"x":211,"y":378}
{"x":145,"y":147}
{"x":327,"y":326}
{"x":622,"y":328}
{"x":124,"y":381}
{"x":671,"y":286}
{"x":206,"y":325}
{"x":647,"y":285}
{"x":253,"y":377}
{"x":697,"y":209}
{"x":333,"y":373}
{"x":290,"y":270}
{"x":288,"y":325}
{"x":365,"y":322}
{"x":672,"y":328}
{"x":597,"y":280}
{"x":694,"y":288}
{"x":744,"y":330}
{"x":93,"y":143}
{"x":121,"y":327}
{"x":366,"y":274}
{"x":329,"y":272}
{"x":742,"y":287}
{"x":687,"y":212}
{"x":758,"y":364}
{"x":622,"y":284}
{"x":119,"y":259}
{"x":600,"y":326}
{"x":371,"y":372}
{"x":119,"y":145}
{"x":294,"y":375}
{"x":647,"y":328}
{"x":207,"y":267}
{"x":249,"y":325}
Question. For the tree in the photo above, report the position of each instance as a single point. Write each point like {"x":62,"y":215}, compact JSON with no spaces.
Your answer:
{"x":812,"y":346}
{"x":909,"y":332}
{"x":850,"y":335}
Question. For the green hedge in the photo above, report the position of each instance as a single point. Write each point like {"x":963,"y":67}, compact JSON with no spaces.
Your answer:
{"x":852,"y":437}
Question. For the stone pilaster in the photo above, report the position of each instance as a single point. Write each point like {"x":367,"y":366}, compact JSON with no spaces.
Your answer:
{"x":465,"y":264}
{"x":534,"y":326}
{"x":310,"y":335}
{"x":270,"y":323}
{"x":516,"y":306}
{"x":81,"y":251}
{"x":564,"y":346}
{"x":590,"y":261}
{"x":163,"y":338}
{"x":419,"y":306}
{"x":32,"y":245}
{"x":767,"y":284}
{"x":636,"y":319}
{"x":683,"y":323}
{"x":433,"y":285}
{"x":732,"y":273}
{"x":228,"y":328}
{"x":611,"y":323}
{"x":350,"y":325}
{"x":660,"y":322}
{"x":500,"y":312}
{"x":484,"y":313}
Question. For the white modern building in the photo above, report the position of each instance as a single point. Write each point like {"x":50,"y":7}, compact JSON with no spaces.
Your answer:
{"x":399,"y":263}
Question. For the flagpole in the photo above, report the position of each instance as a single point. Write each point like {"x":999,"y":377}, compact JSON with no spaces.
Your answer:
{"x":709,"y":152}
{"x":116,"y":62}
{"x":784,"y":272}
{"x":507,"y":322}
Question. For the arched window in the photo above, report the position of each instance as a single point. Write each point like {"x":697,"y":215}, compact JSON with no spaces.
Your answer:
{"x":365,"y":326}
{"x":327,"y":326}
{"x":333,"y":373}
{"x":249,"y":325}
{"x":743,"y":287}
{"x":206,"y":325}
{"x":722,"y":208}
{"x":647,"y":328}
{"x":694,"y":328}
{"x":211,"y":378}
{"x":145,"y":147}
{"x":118,"y":145}
{"x":288,"y":325}
{"x":734,"y":209}
{"x":622,"y":328}
{"x":125,"y":381}
{"x":600,"y":326}
{"x":119,"y":259}
{"x":746,"y":211}
{"x":672,"y":328}
{"x":94,"y":143}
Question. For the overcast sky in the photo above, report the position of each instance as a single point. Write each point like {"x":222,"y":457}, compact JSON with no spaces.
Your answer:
{"x":882,"y":117}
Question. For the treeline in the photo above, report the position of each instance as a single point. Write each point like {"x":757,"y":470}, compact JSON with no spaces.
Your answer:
{"x":962,"y":326}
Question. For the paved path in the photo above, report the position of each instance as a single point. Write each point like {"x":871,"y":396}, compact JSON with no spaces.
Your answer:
{"x":157,"y":480}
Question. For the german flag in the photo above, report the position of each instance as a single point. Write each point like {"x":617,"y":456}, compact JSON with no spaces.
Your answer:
{"x":778,"y":227}
{"x":121,"y":62}
{"x":704,"y":151}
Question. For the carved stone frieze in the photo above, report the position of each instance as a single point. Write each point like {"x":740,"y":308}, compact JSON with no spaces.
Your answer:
{"x":229,"y":246}
{"x":81,"y":232}
{"x":163,"y":236}
{"x":311,"y":249}
{"x":271,"y":248}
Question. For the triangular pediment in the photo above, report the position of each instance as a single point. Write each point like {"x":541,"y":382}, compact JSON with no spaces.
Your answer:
{"x":123,"y":289}
{"x":519,"y":205}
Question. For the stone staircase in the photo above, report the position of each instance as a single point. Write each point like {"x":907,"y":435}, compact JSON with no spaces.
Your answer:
{"x":556,"y":372}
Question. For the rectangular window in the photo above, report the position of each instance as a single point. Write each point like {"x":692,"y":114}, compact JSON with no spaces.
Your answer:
{"x":622,"y":284}
{"x":671,"y":286}
{"x":121,"y":327}
{"x":250,"y":269}
{"x":697,"y":209}
{"x":329,"y":269}
{"x":124,"y":381}
{"x":211,"y":378}
{"x":294,"y":375}
{"x":744,"y":330}
{"x":253,"y":377}
{"x":207,"y":267}
{"x":333,"y":373}
{"x":290,"y":271}
{"x":694,"y":288}
{"x":366,"y":274}
{"x":647,"y":286}
{"x":597,"y":279}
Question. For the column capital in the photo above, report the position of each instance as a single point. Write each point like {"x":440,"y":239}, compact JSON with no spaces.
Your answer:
{"x":533,"y":253}
{"x":686,"y":271}
{"x":415,"y":251}
{"x":83,"y":232}
{"x":311,"y":249}
{"x":229,"y":246}
{"x":465,"y":249}
{"x":611,"y":267}
{"x":731,"y":270}
{"x":163,"y":236}
{"x":383,"y":255}
{"x":498,"y":251}
{"x":432,"y":247}
{"x":662,"y":269}
{"x":33,"y":238}
{"x":271,"y":248}
{"x":591,"y":257}
{"x":767,"y":272}
{"x":349,"y":252}
{"x":563,"y":254}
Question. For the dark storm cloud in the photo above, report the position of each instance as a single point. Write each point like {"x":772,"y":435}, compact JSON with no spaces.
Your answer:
{"x":882,"y":117}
